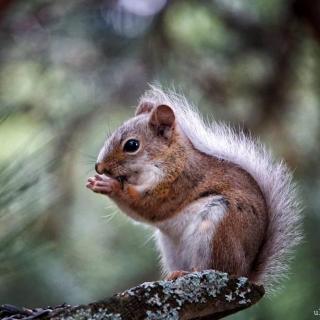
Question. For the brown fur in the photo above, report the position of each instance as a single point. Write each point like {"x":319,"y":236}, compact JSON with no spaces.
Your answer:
{"x":189,"y":175}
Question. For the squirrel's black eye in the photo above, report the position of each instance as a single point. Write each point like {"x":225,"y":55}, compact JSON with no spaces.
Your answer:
{"x":131,"y":145}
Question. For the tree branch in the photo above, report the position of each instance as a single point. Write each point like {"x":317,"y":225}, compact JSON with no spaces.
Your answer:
{"x":199,"y":295}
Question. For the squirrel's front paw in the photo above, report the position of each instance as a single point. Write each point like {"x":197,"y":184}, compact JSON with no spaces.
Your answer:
{"x":102,"y":184}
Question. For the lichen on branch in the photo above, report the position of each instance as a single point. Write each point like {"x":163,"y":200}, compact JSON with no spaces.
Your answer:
{"x":198,"y":295}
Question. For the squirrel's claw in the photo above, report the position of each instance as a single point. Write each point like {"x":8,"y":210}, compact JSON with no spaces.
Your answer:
{"x":176,"y":274}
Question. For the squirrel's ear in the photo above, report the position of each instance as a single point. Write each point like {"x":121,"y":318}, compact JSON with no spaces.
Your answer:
{"x":144,"y":107}
{"x":163,"y":118}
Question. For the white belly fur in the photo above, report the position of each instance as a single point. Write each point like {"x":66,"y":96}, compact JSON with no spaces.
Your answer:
{"x":185,"y":241}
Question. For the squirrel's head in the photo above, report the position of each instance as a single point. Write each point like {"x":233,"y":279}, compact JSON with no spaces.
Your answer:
{"x":140,"y":146}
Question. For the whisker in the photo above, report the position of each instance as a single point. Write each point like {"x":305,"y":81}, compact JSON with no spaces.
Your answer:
{"x":109,"y":130}
{"x":88,"y":171}
{"x":87,"y":164}
{"x":82,"y":153}
{"x":87,"y":156}
{"x":110,"y":216}
{"x":109,"y":207}
{"x":151,"y":237}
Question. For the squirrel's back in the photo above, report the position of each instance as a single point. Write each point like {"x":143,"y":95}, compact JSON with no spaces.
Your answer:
{"x":273,"y":178}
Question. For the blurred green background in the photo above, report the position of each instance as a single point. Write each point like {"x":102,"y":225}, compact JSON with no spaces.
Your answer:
{"x":72,"y":70}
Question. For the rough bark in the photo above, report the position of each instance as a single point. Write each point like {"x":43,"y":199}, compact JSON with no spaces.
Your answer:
{"x":199,"y":295}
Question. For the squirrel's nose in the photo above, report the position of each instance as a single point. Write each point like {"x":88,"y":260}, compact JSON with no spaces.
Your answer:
{"x":101,"y":169}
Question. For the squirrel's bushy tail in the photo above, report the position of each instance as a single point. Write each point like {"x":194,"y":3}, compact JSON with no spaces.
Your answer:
{"x":274,"y":179}
{"x":284,"y":229}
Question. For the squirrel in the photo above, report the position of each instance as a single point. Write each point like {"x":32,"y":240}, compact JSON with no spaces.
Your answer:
{"x":216,"y":198}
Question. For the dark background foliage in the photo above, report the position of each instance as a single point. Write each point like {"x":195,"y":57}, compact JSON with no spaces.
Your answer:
{"x":72,"y":70}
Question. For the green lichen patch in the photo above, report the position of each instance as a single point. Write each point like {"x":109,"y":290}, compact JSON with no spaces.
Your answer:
{"x":202,"y":292}
{"x":167,"y":302}
{"x":86,"y":313}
